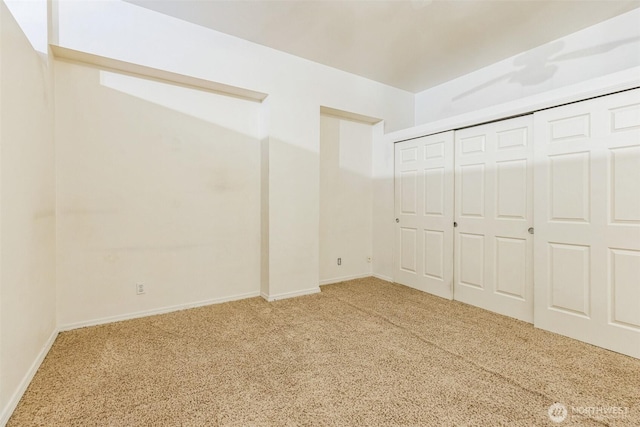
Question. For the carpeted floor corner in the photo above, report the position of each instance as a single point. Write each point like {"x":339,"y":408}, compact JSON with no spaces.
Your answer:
{"x":361,"y":353}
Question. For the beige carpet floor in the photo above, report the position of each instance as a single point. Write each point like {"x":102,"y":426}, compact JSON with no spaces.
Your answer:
{"x":361,"y":353}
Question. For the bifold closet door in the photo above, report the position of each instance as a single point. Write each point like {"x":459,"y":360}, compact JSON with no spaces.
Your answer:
{"x":494,"y":212}
{"x":424,"y":213}
{"x":587,"y":213}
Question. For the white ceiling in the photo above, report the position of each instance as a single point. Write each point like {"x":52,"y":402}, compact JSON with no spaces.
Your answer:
{"x":412,"y":44}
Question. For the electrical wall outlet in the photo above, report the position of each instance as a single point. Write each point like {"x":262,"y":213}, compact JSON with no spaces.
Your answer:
{"x":140,"y":288}
{"x":339,"y":261}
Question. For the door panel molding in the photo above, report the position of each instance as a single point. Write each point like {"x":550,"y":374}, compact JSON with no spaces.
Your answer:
{"x":424,"y":204}
{"x":493,"y":259}
{"x":587,"y":221}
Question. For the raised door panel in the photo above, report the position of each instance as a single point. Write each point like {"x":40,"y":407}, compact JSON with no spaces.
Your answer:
{"x":570,"y":278}
{"x":587,"y":221}
{"x":625,"y":176}
{"x":512,"y":183}
{"x":624,"y":288}
{"x":408,"y":192}
{"x":570,"y":128}
{"x":511,"y":267}
{"x":570,"y":186}
{"x":434,"y":191}
{"x":471,"y":260}
{"x":434,"y":254}
{"x":408,"y":249}
{"x":472,"y":188}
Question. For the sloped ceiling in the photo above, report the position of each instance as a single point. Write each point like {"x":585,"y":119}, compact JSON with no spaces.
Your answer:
{"x":412,"y":45}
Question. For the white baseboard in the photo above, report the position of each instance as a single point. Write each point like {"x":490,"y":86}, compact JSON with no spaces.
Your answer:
{"x":163,"y":310}
{"x":343,"y":278}
{"x":383,"y":277}
{"x":293,"y":294}
{"x":26,"y":380}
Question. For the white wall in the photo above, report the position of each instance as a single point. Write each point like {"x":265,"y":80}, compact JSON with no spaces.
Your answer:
{"x":158,"y":184}
{"x":31,"y":16}
{"x":27,"y":261}
{"x":296,"y":89}
{"x":603,"y":49}
{"x":383,"y":209}
{"x":346,"y":197}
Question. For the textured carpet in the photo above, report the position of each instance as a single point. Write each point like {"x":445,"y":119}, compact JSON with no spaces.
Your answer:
{"x":361,"y":353}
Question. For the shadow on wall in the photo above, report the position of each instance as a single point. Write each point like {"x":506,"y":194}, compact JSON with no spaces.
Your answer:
{"x":346,"y":198}
{"x":223,"y":111}
{"x":539,"y":65}
{"x":162,"y":185}
{"x":156,"y":184}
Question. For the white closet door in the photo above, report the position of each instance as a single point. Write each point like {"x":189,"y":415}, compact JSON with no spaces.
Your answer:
{"x":587,"y":208}
{"x":424,"y":213}
{"x":493,"y":209}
